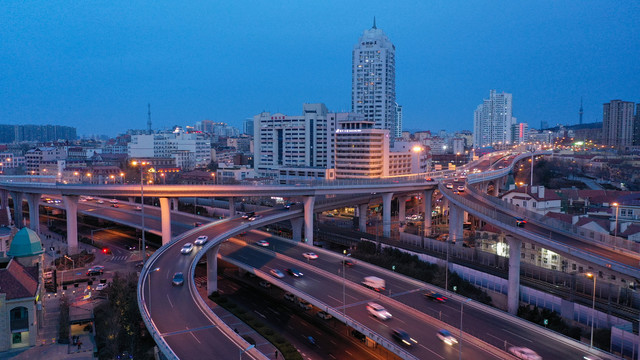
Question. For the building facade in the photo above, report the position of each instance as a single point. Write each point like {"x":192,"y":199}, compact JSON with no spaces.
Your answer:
{"x":172,"y":145}
{"x":617,"y":124}
{"x":373,"y":83}
{"x":493,"y":120}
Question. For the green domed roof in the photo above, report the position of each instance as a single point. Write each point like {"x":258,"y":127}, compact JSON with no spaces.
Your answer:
{"x":25,"y":243}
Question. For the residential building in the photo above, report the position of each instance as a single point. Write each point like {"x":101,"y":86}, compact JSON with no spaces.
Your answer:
{"x":373,"y":84}
{"x":519,"y":133}
{"x":617,"y":124}
{"x":172,"y":145}
{"x":247,"y":127}
{"x":36,"y":157}
{"x":493,"y":120}
{"x":37,"y":133}
{"x":307,"y":140}
{"x":534,"y":198}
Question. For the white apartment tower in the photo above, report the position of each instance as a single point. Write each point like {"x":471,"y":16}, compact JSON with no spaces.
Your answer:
{"x":617,"y":123}
{"x":373,"y":81}
{"x":493,"y":120}
{"x":282,"y":141}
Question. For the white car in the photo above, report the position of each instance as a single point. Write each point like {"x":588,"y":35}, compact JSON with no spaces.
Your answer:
{"x":113,"y":201}
{"x":201,"y":240}
{"x":378,"y":311}
{"x":446,"y":337}
{"x":101,"y":286}
{"x":310,"y":255}
{"x":524,"y":353}
{"x":263,"y":243}
{"x":186,"y":248}
{"x":277,"y":273}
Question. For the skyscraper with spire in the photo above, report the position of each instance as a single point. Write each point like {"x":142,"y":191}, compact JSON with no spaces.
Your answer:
{"x":373,"y":83}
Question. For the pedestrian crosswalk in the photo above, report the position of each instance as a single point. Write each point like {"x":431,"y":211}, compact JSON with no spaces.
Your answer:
{"x":120,"y":258}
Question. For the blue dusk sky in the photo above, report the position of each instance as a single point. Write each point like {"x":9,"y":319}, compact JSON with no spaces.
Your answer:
{"x":95,"y":65}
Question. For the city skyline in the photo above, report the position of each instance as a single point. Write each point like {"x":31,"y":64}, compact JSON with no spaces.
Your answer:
{"x":97,"y":67}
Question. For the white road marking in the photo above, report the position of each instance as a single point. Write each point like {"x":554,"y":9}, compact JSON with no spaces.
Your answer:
{"x":168,"y":298}
{"x":350,"y":354}
{"x":514,"y":334}
{"x":332,"y":356}
{"x":194,"y":336}
{"x":255,"y":311}
{"x":340,"y":301}
{"x":431,"y":351}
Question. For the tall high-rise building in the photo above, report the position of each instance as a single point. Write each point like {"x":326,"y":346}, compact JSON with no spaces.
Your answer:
{"x":373,"y":80}
{"x":617,"y":123}
{"x":493,"y":120}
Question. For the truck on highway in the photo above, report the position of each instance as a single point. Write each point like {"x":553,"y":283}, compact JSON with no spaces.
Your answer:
{"x":374,"y":283}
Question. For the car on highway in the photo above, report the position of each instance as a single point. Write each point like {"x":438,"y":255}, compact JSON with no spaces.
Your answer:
{"x":520,"y":222}
{"x":178,"y":279}
{"x":254,"y":217}
{"x":115,"y":205}
{"x":195,"y":224}
{"x":89,"y":198}
{"x":294,"y":272}
{"x":263,"y":243}
{"x":403,"y":337}
{"x":100,"y":201}
{"x":461,"y":188}
{"x":95,"y":270}
{"x":248,"y":214}
{"x":130,"y":247}
{"x":378,"y":311}
{"x":449,"y":185}
{"x":186,"y":248}
{"x":348,"y":263}
{"x":304,"y":304}
{"x":435,"y":296}
{"x":265,"y":284}
{"x":290,"y":297}
{"x":138,"y":208}
{"x":446,"y":337}
{"x":289,"y":205}
{"x":310,"y":255}
{"x":101,"y":286}
{"x":201,"y":240}
{"x":324,"y":315}
{"x":277,"y":273}
{"x":429,"y":179}
{"x":113,"y":201}
{"x":524,"y":353}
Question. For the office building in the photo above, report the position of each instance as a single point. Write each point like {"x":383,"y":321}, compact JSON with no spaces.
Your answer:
{"x":189,"y":151}
{"x":617,"y":124}
{"x":493,"y":120}
{"x":373,"y":83}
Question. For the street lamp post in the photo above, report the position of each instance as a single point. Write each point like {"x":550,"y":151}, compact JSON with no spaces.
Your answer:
{"x":344,"y":299}
{"x":143,"y":246}
{"x":615,"y":229}
{"x":461,"y":313}
{"x":593,"y":305}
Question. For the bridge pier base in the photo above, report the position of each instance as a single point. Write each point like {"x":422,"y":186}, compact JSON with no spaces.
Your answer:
{"x":34,"y":214}
{"x":17,"y":209}
{"x":402,"y":208}
{"x":71,"y":208}
{"x":4,"y":199}
{"x":386,"y":214}
{"x":456,"y":232}
{"x":165,"y":216}
{"x":232,"y":206}
{"x":296,"y":227}
{"x":212,"y":270}
{"x":309,"y":201}
{"x":513,"y":291}
{"x":362,"y":217}
{"x":427,"y":208}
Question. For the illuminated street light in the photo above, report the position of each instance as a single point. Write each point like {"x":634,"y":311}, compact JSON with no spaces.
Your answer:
{"x":593,"y":305}
{"x":615,"y":230}
{"x":142,"y":164}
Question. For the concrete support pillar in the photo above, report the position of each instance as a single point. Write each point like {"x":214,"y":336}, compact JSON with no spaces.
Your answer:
{"x":71,"y":208}
{"x":363,"y":210}
{"x":174,"y":204}
{"x":232,"y":206}
{"x":296,"y":227}
{"x":427,"y":197}
{"x":4,"y":199}
{"x":455,"y":225}
{"x":513,"y":292}
{"x":165,"y":216}
{"x":309,"y":201}
{"x":33,"y":200}
{"x":402,"y":208}
{"x":386,"y":214}
{"x":212,"y":269}
{"x":17,"y":208}
{"x":132,"y":199}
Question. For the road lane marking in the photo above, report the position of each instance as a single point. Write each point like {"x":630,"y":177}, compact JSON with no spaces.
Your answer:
{"x":168,"y":298}
{"x":431,"y":351}
{"x":340,"y":301}
{"x":187,"y":330}
{"x":350,"y":354}
{"x":255,"y":311}
{"x":194,"y":336}
{"x":514,"y":334}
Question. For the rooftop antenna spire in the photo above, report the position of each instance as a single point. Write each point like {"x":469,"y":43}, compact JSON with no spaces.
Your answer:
{"x":374,"y":23}
{"x":149,"y":118}
{"x":580,"y":112}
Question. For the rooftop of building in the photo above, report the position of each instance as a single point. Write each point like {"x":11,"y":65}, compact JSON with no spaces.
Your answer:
{"x":18,"y":281}
{"x":25,"y":243}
